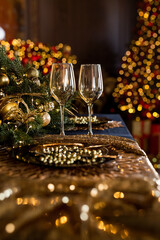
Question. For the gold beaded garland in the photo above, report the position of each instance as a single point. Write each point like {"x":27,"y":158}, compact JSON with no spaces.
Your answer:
{"x":62,"y":155}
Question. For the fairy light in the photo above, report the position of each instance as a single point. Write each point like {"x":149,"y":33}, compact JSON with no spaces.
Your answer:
{"x":60,"y":221}
{"x":140,"y":66}
{"x":51,"y":187}
{"x":40,"y":55}
{"x":10,"y":228}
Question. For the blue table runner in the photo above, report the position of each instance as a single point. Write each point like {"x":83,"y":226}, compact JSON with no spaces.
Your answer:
{"x":116,"y":131}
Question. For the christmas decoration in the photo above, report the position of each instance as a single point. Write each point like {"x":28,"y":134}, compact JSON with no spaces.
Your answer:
{"x":4,"y":80}
{"x":138,"y":84}
{"x":2,"y":94}
{"x":32,"y":73}
{"x":9,"y":107}
{"x":46,"y":118}
{"x":63,"y":154}
{"x":39,"y":54}
{"x":26,"y":107}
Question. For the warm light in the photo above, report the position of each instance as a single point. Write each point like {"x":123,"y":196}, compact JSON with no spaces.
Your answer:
{"x":63,"y":219}
{"x":140,"y":13}
{"x":39,"y":54}
{"x":99,"y":205}
{"x":123,"y":108}
{"x":128,"y":53}
{"x":131,"y":110}
{"x":102,"y":187}
{"x":146,"y":15}
{"x":155,"y":114}
{"x":28,"y":201}
{"x":65,"y":199}
{"x":19,"y":201}
{"x":84,"y":216}
{"x":101,"y":225}
{"x":60,"y":221}
{"x":118,"y":195}
{"x":10,"y":228}
{"x":139,"y":108}
{"x":149,"y":115}
{"x":72,"y":187}
{"x":94,"y":192}
{"x":121,"y":72}
{"x":85,"y":208}
{"x":51,"y":187}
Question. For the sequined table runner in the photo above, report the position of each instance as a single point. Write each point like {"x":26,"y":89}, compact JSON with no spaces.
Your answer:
{"x":119,"y":199}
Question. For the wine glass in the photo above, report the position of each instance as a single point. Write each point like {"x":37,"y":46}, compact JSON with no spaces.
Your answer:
{"x":62,"y":86}
{"x":90,"y":87}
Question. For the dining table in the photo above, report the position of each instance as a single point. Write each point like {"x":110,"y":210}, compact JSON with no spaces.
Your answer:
{"x":106,"y":189}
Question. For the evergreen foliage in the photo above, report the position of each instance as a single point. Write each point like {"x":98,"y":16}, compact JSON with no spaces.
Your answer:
{"x":21,"y":85}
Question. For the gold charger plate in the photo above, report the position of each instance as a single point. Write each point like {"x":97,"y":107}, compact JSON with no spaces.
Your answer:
{"x":63,"y":154}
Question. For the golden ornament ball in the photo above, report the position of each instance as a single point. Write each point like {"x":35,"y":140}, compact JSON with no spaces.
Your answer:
{"x":5,"y":109}
{"x":4,"y":80}
{"x":32,"y":73}
{"x":46,"y":118}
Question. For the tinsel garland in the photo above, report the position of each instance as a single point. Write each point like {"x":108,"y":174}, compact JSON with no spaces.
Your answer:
{"x":24,"y":100}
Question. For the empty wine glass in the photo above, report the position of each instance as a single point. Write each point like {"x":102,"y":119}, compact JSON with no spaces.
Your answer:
{"x":90,"y":87}
{"x":62,"y":86}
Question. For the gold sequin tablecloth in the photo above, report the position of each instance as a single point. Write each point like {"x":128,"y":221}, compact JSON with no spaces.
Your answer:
{"x":119,"y":199}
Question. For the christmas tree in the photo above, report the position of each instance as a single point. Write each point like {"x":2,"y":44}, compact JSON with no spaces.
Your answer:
{"x":138,"y":84}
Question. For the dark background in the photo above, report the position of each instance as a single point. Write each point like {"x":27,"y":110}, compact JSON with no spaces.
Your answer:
{"x":98,"y":31}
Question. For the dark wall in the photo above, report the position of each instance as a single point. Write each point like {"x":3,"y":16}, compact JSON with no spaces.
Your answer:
{"x":97,"y":30}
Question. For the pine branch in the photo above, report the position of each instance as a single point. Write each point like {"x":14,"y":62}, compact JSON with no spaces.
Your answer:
{"x":19,"y":84}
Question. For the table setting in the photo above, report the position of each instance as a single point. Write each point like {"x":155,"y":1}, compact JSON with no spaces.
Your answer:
{"x":91,"y":181}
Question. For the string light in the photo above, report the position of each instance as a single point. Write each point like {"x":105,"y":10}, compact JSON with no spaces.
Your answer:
{"x":40,"y":55}
{"x":140,"y":67}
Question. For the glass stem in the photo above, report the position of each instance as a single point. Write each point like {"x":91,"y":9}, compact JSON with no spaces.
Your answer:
{"x":62,"y":120}
{"x":90,"y":122}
